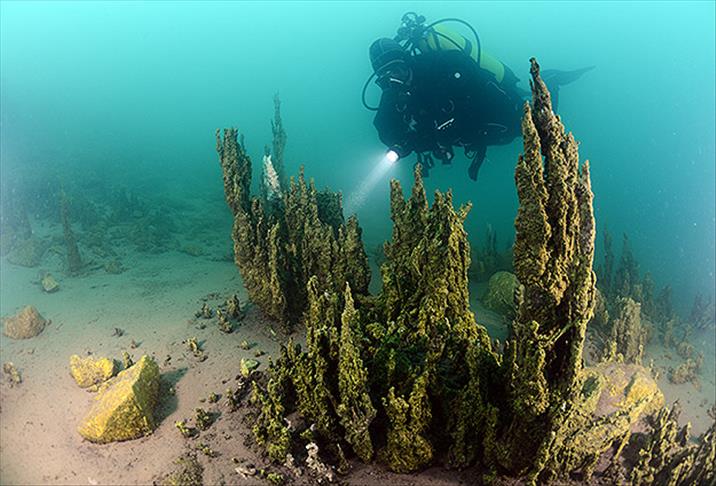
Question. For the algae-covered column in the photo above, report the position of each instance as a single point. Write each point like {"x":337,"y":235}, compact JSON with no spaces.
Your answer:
{"x":553,"y":255}
{"x":74,"y":260}
{"x":282,"y":241}
{"x":258,"y":251}
{"x":279,"y":141}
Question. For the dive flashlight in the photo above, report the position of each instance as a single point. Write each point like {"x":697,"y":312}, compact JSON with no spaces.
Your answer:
{"x":392,"y":156}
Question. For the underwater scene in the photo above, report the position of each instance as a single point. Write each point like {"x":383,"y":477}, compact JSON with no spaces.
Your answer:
{"x":360,"y":243}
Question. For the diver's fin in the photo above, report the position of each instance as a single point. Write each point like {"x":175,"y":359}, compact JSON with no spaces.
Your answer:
{"x":560,"y":78}
{"x":476,"y":163}
{"x":555,"y":78}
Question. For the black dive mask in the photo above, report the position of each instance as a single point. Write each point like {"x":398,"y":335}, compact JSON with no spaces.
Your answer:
{"x":390,"y":63}
{"x":397,"y":75}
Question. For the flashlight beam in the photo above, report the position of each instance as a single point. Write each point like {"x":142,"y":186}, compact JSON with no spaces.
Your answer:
{"x":357,"y":198}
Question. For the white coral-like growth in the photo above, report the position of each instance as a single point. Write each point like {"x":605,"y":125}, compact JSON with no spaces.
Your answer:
{"x":271,"y":182}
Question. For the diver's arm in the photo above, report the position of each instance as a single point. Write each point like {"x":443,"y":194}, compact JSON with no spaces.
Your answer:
{"x":390,"y":122}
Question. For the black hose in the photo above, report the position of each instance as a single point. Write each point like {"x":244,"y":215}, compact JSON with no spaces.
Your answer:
{"x":474,"y":32}
{"x":435,"y":32}
{"x":365,"y":87}
{"x":412,"y":48}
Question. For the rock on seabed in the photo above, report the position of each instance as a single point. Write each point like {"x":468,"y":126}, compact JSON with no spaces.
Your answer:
{"x":91,"y":371}
{"x":124,"y":407}
{"x":501,"y":293}
{"x":25,"y":324}
{"x":247,"y":366}
{"x":29,"y":253}
{"x":49,"y":284}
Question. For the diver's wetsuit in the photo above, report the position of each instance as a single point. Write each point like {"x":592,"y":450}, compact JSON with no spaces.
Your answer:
{"x":449,"y":101}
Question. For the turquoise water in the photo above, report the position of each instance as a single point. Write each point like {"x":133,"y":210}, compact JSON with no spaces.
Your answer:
{"x":131,"y":93}
{"x":117,"y":103}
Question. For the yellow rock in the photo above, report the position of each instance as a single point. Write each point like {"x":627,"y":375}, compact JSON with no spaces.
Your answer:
{"x":25,"y":324}
{"x":613,"y":398}
{"x":629,"y":388}
{"x":246,"y":366}
{"x":90,"y":371}
{"x":124,"y":407}
{"x":49,"y":284}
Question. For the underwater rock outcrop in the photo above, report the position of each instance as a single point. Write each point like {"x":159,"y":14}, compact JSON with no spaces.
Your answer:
{"x":626,"y":278}
{"x":687,"y":372}
{"x":502,"y":289}
{"x":13,"y":374}
{"x":49,"y":284}
{"x":28,"y":252}
{"x":124,"y":406}
{"x":612,"y":399}
{"x":278,"y":145}
{"x":280,"y":243}
{"x":25,"y":324}
{"x":247,"y":365}
{"x":91,"y":371}
{"x":626,"y":282}
{"x":187,"y":471}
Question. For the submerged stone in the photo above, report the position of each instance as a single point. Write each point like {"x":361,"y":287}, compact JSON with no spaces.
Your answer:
{"x":29,"y":253}
{"x":193,"y":250}
{"x":49,"y":284}
{"x":626,"y":388}
{"x":12,"y":372}
{"x":114,"y":267}
{"x":124,"y":408}
{"x":501,"y":293}
{"x":25,"y":324}
{"x":613,"y":399}
{"x":91,"y":371}
{"x":247,"y":366}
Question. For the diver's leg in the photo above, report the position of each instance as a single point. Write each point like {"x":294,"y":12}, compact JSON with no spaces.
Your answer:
{"x":425,"y":161}
{"x":555,"y":79}
{"x":477,"y":160}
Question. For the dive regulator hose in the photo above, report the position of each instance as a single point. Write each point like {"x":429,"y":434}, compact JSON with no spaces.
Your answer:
{"x":365,"y":88}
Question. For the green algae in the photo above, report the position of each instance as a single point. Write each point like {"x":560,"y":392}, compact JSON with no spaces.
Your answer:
{"x":553,"y":255}
{"x":392,"y":353}
{"x":408,"y":376}
{"x":355,"y":410}
{"x":270,"y":429}
{"x":280,"y":244}
{"x":668,"y":456}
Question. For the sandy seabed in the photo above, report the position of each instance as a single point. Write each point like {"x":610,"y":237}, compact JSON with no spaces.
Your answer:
{"x":154,"y":302}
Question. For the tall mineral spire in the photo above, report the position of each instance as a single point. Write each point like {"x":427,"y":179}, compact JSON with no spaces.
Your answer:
{"x":553,"y":255}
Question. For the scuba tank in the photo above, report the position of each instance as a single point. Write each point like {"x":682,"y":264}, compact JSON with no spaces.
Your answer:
{"x":440,"y":38}
{"x":414,"y":37}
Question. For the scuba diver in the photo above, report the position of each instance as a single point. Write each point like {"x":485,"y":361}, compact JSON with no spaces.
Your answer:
{"x":442,"y":90}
